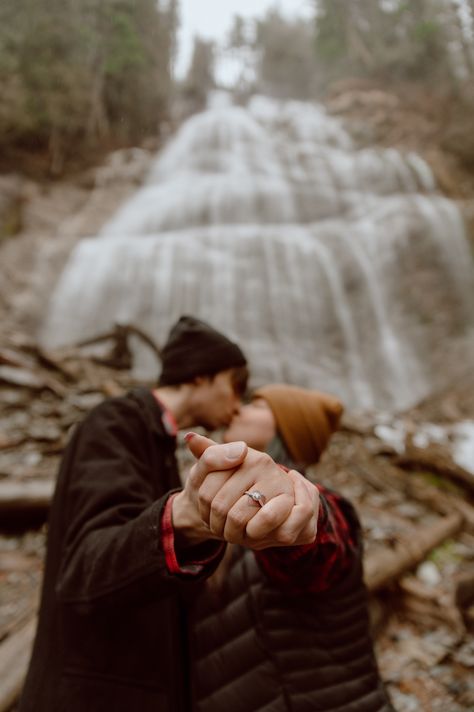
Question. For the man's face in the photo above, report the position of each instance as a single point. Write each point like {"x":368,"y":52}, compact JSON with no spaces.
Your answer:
{"x":216,"y":400}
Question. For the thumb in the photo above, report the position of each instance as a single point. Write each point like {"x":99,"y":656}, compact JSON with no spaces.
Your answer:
{"x":197,"y":444}
{"x":219,"y":456}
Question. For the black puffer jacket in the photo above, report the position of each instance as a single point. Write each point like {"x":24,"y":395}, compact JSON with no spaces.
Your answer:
{"x":259,"y":649}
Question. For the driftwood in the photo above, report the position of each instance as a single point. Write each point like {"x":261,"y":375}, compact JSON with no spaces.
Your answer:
{"x":120,"y":355}
{"x":431,"y":609}
{"x":435,"y":459}
{"x":431,"y":613}
{"x":16,"y":560}
{"x":10,"y":357}
{"x":111,"y":389}
{"x":26,"y":378}
{"x":51,"y":363}
{"x":25,"y":610}
{"x":442,"y":502}
{"x":16,"y":376}
{"x":379,"y":614}
{"x":7,"y":442}
{"x":25,"y":497}
{"x":14,"y":658}
{"x":435,"y":603}
{"x":378,"y":479}
{"x":385,"y":565}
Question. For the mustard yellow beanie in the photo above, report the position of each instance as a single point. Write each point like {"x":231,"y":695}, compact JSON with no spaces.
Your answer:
{"x":305,"y":419}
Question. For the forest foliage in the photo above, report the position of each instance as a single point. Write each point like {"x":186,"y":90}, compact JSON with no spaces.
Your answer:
{"x":80,"y":77}
{"x":83,"y":75}
{"x":426,"y":41}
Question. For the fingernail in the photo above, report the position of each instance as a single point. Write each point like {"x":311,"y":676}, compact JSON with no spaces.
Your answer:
{"x":188,"y":436}
{"x":234,"y":451}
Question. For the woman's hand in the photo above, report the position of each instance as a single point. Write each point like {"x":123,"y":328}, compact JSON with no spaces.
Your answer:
{"x":217,"y":484}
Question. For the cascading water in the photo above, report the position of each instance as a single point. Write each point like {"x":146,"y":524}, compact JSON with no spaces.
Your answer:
{"x":335,"y":268}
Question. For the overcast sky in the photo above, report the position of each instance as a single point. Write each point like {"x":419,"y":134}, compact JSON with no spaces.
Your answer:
{"x":211,"y":19}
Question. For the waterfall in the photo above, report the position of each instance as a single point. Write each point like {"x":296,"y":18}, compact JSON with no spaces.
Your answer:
{"x":334,"y":267}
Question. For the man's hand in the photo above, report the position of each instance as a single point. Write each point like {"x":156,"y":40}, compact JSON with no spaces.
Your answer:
{"x":216,"y":489}
{"x":188,"y":523}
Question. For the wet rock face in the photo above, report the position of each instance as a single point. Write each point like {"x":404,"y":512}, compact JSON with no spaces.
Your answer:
{"x":12,"y":198}
{"x":459,"y":138}
{"x":334,"y":267}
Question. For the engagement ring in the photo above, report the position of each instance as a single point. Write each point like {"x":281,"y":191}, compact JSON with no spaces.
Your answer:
{"x":257,"y":496}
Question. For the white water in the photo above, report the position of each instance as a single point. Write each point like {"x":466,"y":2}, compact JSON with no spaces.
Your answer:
{"x":334,"y":267}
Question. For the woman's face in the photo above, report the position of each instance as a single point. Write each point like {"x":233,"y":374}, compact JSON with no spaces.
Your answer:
{"x":255,"y":424}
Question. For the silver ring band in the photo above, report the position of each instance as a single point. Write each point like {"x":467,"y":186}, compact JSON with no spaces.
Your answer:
{"x":257,"y":497}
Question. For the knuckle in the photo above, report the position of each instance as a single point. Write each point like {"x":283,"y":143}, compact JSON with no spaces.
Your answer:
{"x":310,"y":533}
{"x":269,"y":518}
{"x":286,"y":537}
{"x":306,"y":508}
{"x":193,"y":476}
{"x":264,"y":460}
{"x":208,"y":457}
{"x":219,"y":508}
{"x":205,"y":498}
{"x":237,"y":519}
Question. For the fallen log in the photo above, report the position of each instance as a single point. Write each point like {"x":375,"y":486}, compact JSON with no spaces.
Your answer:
{"x":441,"y":501}
{"x":9,"y":441}
{"x":17,"y":560}
{"x":27,"y":608}
{"x":50,"y":362}
{"x":431,"y":602}
{"x":14,"y":658}
{"x":379,"y":615}
{"x":384,"y":565}
{"x":15,"y":376}
{"x":435,"y":459}
{"x":9,"y":357}
{"x":25,"y":497}
{"x":431,"y":613}
{"x":120,"y":356}
{"x":27,"y":378}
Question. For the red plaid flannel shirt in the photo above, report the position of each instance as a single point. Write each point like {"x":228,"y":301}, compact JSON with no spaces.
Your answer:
{"x":311,"y":568}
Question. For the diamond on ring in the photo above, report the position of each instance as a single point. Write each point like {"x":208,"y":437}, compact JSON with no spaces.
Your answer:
{"x":257,"y":496}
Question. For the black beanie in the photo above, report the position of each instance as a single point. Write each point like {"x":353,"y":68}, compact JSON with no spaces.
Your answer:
{"x":193,"y":349}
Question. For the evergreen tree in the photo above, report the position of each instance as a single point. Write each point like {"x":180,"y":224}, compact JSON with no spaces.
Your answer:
{"x":200,"y":77}
{"x":84,"y":75}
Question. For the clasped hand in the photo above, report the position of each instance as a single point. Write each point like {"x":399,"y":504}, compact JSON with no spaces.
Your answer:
{"x":213,"y":503}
